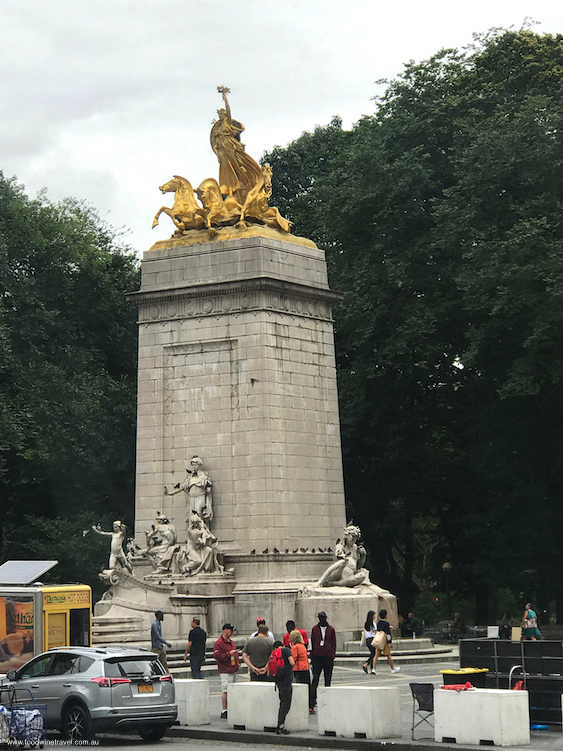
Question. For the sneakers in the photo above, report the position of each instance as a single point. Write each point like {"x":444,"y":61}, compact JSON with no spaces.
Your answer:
{"x":224,"y":714}
{"x":282,"y":730}
{"x":373,"y":672}
{"x":365,"y":668}
{"x":395,"y":670}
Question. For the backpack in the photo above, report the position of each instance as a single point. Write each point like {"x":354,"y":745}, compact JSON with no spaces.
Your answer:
{"x":276,"y":663}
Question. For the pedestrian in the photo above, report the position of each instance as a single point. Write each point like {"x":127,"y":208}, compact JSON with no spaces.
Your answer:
{"x":256,"y":654}
{"x":283,"y":679}
{"x":228,"y":663}
{"x":383,"y":625}
{"x":261,"y":622}
{"x":289,"y":627}
{"x":369,"y":631}
{"x":301,"y":672}
{"x":529,"y":624}
{"x":157,"y":640}
{"x":195,"y":648}
{"x":457,"y":628}
{"x":323,"y":652}
{"x":403,"y":628}
{"x":506,"y":624}
{"x":415,"y":626}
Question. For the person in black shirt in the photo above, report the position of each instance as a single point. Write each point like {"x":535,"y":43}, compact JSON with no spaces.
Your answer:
{"x":284,"y":679}
{"x":195,"y":648}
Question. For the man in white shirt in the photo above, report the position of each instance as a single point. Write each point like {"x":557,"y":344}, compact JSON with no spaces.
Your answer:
{"x":261,"y":622}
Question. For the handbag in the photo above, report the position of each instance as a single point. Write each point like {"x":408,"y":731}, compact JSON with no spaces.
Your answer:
{"x":379,"y":640}
{"x":531,"y":623}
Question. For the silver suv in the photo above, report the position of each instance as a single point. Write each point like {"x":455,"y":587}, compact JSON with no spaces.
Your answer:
{"x":96,"y":689}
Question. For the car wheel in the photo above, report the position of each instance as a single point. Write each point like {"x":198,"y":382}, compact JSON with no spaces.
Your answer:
{"x":154,"y":733}
{"x":77,"y":725}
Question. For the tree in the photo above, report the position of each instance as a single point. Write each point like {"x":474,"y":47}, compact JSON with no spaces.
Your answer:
{"x":67,"y":368}
{"x":441,"y":219}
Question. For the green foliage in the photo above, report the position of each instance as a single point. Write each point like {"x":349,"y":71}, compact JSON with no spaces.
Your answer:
{"x":434,"y":608}
{"x":442,"y":223}
{"x":67,"y":367}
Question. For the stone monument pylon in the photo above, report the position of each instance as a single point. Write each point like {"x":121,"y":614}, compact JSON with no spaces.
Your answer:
{"x":237,"y":370}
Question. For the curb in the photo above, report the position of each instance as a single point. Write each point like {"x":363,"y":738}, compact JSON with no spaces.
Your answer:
{"x":315,"y":741}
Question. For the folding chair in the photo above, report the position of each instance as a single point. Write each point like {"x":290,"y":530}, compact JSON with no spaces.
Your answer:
{"x":423,"y":694}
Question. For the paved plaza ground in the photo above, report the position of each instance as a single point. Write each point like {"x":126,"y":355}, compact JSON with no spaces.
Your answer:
{"x":352,"y":675}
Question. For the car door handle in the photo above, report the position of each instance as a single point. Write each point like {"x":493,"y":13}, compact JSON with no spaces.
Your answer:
{"x":36,"y":686}
{"x":67,"y":685}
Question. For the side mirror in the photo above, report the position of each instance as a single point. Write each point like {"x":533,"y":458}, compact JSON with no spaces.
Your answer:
{"x":11,"y":675}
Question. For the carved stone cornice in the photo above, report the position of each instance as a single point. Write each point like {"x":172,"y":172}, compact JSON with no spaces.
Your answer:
{"x":258,"y":293}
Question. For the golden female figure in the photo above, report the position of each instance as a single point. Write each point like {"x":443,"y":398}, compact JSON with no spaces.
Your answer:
{"x":238,"y":172}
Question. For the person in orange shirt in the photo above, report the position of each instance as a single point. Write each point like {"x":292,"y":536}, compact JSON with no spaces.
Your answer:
{"x":301,"y":667}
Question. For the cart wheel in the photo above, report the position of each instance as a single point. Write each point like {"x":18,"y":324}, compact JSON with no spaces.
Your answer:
{"x":77,"y":725}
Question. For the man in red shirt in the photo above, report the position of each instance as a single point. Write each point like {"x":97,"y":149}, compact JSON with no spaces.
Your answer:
{"x":290,"y":626}
{"x":323,"y":652}
{"x":225,"y":652}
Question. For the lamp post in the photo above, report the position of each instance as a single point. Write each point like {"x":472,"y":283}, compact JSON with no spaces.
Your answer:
{"x":446,"y":568}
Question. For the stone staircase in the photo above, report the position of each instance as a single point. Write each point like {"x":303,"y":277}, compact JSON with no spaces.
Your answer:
{"x":404,"y":652}
{"x":399,"y":645}
{"x":131,"y":629}
{"x":117,"y":629}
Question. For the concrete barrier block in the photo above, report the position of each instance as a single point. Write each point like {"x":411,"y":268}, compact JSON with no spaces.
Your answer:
{"x":254,"y":706}
{"x":482,"y":716}
{"x":192,"y":698}
{"x":359,"y":712}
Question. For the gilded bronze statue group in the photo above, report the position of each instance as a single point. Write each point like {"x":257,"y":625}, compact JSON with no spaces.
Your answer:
{"x":240,"y":197}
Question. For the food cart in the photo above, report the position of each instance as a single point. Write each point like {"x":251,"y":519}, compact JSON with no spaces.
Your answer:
{"x":35,"y":617}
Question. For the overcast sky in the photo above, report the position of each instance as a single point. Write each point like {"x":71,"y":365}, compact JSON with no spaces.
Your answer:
{"x":105,"y":100}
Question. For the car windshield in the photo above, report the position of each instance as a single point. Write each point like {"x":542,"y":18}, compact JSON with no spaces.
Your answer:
{"x":133,"y":667}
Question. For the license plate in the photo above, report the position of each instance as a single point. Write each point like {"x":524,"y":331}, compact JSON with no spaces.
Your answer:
{"x":145,"y":688}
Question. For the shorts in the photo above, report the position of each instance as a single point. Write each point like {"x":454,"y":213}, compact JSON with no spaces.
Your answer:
{"x":386,"y":651}
{"x":226,"y":680}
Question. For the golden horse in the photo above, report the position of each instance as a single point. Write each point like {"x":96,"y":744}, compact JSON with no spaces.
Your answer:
{"x":185,"y":213}
{"x":215,"y":209}
{"x":256,"y":204}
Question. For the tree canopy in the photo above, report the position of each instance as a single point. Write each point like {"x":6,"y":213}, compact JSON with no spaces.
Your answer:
{"x":441,"y":217}
{"x":68,"y":343}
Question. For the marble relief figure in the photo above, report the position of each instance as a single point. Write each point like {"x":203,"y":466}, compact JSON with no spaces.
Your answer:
{"x":348,"y":570}
{"x":116,"y":557}
{"x":198,"y":487}
{"x":201,"y":549}
{"x":161,"y":544}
